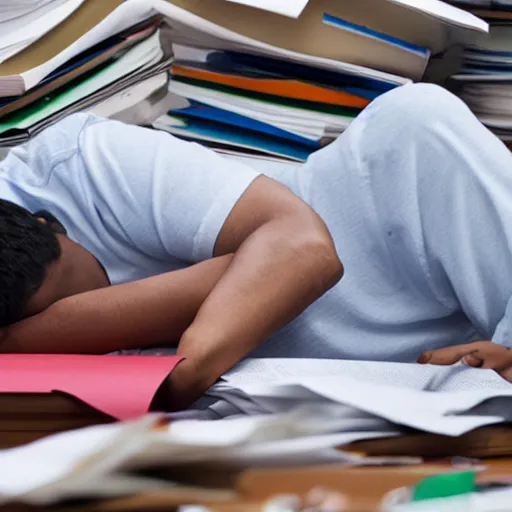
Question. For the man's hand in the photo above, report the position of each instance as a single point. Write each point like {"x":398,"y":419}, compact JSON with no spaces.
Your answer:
{"x":480,"y":354}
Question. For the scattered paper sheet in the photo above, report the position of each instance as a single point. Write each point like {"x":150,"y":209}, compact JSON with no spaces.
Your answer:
{"x":397,"y":392}
{"x":413,"y":376}
{"x":434,"y":8}
{"x":291,"y":8}
{"x":79,"y":463}
{"x":445,"y":12}
{"x":94,"y":462}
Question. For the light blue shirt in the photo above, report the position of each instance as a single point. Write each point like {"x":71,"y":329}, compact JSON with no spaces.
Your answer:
{"x":417,"y":195}
{"x":141,"y":201}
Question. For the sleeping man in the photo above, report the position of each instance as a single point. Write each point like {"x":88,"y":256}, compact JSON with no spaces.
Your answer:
{"x":115,"y":237}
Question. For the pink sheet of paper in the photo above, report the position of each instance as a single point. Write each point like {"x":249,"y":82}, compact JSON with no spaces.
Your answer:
{"x":120,"y":386}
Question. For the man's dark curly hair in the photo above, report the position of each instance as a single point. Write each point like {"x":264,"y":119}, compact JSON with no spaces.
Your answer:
{"x":27,"y":248}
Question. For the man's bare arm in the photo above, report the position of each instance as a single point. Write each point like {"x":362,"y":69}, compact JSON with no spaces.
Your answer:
{"x":284,"y":260}
{"x":152,"y":311}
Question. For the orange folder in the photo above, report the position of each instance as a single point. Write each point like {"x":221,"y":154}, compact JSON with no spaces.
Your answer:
{"x":288,"y":88}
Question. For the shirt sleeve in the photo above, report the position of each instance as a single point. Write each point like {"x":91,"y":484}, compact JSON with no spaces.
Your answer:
{"x":502,"y":334}
{"x":168,"y":197}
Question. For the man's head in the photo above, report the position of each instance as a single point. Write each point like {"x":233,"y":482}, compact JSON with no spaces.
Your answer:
{"x":39,"y":264}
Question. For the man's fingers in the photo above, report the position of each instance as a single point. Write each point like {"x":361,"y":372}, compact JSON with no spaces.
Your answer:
{"x":448,"y":355}
{"x":506,"y":373}
{"x":498,"y":359}
{"x":473,"y":360}
{"x":480,"y":354}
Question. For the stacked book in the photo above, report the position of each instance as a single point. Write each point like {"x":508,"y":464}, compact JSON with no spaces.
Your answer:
{"x":100,"y":55}
{"x":485,"y":79}
{"x":283,"y":81}
{"x":247,"y":77}
{"x":236,"y":102}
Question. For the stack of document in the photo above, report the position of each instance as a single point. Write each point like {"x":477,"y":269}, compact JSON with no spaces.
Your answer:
{"x":283,"y":80}
{"x":250,"y":77}
{"x":23,"y":23}
{"x":92,"y":54}
{"x":276,"y":412}
{"x":231,"y":100}
{"x":485,"y":80}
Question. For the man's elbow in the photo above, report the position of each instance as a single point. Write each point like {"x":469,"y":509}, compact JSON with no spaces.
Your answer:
{"x":328,"y":265}
{"x":318,"y":248}
{"x":336,"y":270}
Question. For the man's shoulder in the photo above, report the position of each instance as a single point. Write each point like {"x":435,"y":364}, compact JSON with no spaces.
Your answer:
{"x":55,"y":143}
{"x":66,"y":133}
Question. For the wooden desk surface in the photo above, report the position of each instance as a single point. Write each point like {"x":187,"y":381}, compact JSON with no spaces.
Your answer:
{"x":364,"y":488}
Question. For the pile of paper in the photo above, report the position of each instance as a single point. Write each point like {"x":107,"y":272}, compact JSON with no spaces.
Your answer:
{"x":103,"y":56}
{"x":484,"y":81}
{"x":249,"y":77}
{"x":272,"y":412}
{"x":249,"y":81}
{"x":231,"y":100}
{"x":449,"y":401}
{"x":102,"y":461}
{"x":24,"y":22}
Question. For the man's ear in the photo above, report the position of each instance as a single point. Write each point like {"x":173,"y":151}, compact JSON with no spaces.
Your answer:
{"x":51,"y":221}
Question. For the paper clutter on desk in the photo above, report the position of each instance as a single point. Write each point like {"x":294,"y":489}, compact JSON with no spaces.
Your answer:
{"x":102,"y":461}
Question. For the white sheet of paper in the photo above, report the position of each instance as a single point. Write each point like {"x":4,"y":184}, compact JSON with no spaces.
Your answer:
{"x":445,"y":12}
{"x":429,"y":412}
{"x":415,"y":376}
{"x":75,"y":463}
{"x":291,"y":8}
{"x":435,"y":8}
{"x":129,"y":97}
{"x":400,"y":393}
{"x":18,"y":33}
{"x":253,"y":439}
{"x":307,"y":450}
{"x":10,"y":10}
{"x":189,"y":29}
{"x":126,"y":15}
{"x":50,"y":459}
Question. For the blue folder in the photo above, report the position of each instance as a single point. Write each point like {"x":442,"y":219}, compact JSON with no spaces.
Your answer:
{"x":198,"y":110}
